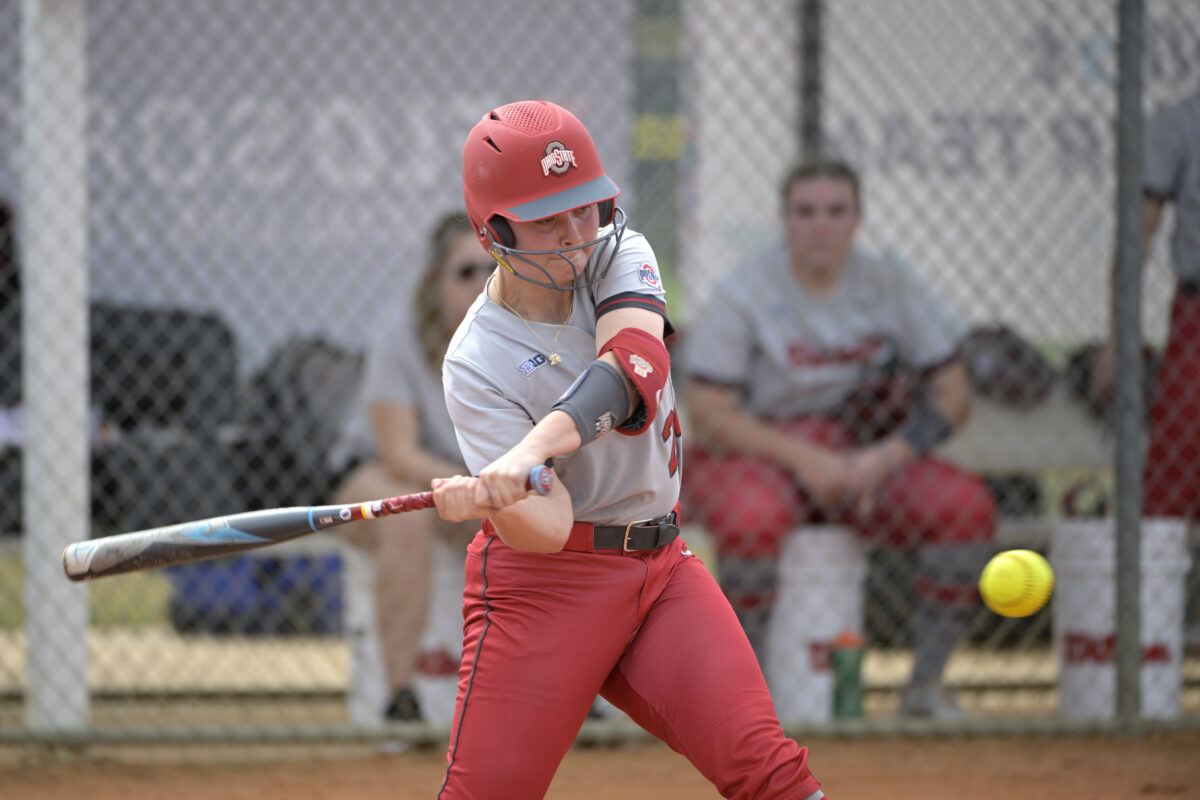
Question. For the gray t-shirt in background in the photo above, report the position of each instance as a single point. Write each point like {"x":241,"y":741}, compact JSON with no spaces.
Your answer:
{"x":1172,"y":172}
{"x":793,"y":355}
{"x":396,"y":372}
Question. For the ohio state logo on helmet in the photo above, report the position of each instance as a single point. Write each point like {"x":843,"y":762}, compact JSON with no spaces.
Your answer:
{"x":558,"y":159}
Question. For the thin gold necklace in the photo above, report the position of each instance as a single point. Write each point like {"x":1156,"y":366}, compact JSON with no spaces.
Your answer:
{"x":553,"y":357}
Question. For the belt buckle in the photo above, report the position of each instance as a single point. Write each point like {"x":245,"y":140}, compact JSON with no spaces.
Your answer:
{"x":625,"y":542}
{"x":657,"y":523}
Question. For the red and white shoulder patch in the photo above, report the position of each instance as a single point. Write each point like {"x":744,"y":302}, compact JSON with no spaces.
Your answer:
{"x":649,"y":276}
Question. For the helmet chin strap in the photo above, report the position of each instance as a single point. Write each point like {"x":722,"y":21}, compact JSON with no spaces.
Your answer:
{"x":602,"y":243}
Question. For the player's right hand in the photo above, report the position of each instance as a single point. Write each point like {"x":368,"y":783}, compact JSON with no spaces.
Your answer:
{"x":460,"y":498}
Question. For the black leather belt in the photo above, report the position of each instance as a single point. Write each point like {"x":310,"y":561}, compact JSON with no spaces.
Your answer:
{"x":649,"y":534}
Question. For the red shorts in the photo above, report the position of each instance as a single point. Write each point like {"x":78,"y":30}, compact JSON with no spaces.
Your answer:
{"x":651,"y":631}
{"x":750,"y":504}
{"x":1173,"y":458}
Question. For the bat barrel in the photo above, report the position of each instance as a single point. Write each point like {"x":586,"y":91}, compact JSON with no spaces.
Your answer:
{"x":188,"y":541}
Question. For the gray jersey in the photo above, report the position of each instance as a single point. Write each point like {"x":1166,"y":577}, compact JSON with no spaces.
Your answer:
{"x":396,"y":373}
{"x":792,"y":354}
{"x":499,"y":383}
{"x":1172,"y":172}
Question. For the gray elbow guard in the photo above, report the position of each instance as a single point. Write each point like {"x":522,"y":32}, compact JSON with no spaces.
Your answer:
{"x":597,"y":401}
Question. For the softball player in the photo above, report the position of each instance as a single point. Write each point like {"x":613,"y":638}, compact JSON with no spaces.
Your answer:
{"x":590,"y":589}
{"x":789,"y":389}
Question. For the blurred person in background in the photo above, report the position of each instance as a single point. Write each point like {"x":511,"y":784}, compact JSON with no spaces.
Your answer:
{"x":1171,"y":174}
{"x":801,"y":413}
{"x":398,"y":438}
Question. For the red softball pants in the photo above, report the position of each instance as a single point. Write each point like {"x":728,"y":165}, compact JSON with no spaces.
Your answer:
{"x":1173,"y":458}
{"x":750,"y":504}
{"x":651,"y":632}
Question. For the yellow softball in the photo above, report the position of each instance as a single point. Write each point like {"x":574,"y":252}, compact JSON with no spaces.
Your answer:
{"x":1016,"y":583}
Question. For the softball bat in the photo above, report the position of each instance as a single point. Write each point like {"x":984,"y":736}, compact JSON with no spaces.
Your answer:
{"x":237,"y":533}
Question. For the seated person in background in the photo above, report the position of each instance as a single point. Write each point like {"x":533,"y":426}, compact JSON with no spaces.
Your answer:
{"x":797,"y":418}
{"x":399,"y":437}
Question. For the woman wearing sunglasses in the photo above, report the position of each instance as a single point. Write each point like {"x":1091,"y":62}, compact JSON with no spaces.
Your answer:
{"x":397,"y":438}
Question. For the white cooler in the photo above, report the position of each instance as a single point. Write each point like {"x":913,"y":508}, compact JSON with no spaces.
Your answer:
{"x":1083,"y":554}
{"x":822,"y":569}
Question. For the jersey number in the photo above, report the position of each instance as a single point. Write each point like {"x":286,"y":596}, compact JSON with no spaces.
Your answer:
{"x":671,"y":433}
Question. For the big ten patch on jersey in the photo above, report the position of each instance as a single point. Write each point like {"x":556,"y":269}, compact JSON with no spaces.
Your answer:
{"x":533,"y":362}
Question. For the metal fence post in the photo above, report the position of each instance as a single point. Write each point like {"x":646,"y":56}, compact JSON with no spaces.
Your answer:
{"x":659,"y":131}
{"x":54,"y":193}
{"x":1127,"y":321}
{"x":810,"y":78}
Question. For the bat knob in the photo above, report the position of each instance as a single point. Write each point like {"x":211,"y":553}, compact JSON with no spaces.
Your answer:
{"x":541,"y":479}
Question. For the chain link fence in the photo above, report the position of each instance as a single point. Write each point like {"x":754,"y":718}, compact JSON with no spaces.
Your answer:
{"x":984,"y":135}
{"x":208,"y":203}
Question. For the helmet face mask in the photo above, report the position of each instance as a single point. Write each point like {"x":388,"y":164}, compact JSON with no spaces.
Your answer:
{"x":531,"y":160}
{"x":599,"y":262}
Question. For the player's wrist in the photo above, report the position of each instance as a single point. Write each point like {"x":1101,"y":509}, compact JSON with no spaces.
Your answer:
{"x":555,"y":435}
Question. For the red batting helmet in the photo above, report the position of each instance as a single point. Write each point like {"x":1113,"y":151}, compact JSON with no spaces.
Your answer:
{"x":527,"y":161}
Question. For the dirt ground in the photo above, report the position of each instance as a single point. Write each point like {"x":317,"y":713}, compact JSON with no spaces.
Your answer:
{"x":1163,"y":765}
